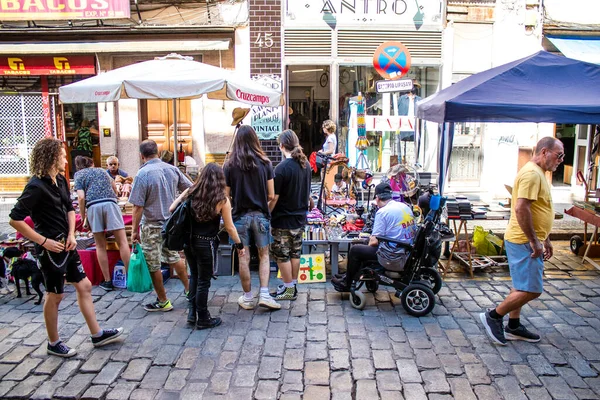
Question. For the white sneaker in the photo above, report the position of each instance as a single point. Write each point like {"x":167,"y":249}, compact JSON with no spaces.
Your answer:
{"x":246,"y":304}
{"x":269,"y":302}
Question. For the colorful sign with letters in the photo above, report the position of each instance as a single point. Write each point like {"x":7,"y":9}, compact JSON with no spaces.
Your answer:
{"x":35,"y":10}
{"x":47,"y":65}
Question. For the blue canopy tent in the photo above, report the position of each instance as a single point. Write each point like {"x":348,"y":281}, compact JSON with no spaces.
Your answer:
{"x":542,"y":87}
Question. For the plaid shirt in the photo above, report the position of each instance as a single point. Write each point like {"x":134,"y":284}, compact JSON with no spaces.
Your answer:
{"x":155,"y":187}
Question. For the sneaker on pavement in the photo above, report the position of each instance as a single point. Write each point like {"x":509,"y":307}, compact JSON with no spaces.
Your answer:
{"x":269,"y":302}
{"x":186,"y":293}
{"x":493,"y":328}
{"x":107,"y":285}
{"x":108,"y":336}
{"x":246,"y":304}
{"x":158,"y":306}
{"x":286,"y":293}
{"x":521,"y":333}
{"x":61,"y":350}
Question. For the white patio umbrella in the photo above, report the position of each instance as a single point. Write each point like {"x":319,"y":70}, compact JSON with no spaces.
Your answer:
{"x":169,"y":78}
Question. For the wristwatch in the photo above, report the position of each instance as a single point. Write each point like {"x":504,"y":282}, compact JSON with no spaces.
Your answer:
{"x":239,"y":245}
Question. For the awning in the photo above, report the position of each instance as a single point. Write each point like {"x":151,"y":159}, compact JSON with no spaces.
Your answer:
{"x":582,"y":49}
{"x":114,"y":47}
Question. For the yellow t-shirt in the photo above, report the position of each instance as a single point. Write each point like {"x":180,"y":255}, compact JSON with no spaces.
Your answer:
{"x":531,"y":184}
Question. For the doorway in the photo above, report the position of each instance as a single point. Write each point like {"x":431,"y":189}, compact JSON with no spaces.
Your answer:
{"x":157,"y":124}
{"x":309,"y":91}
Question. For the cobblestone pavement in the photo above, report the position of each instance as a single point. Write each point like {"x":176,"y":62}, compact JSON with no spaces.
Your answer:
{"x":317,"y":347}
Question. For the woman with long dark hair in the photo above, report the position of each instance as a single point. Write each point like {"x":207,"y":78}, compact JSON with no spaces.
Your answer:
{"x":288,"y":212}
{"x":249,"y":178}
{"x":208,"y":205}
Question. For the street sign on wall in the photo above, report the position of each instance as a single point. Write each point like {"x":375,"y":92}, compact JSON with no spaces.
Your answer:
{"x":392,"y":60}
{"x":267,"y":121}
{"x":23,"y":10}
{"x":401,"y":85}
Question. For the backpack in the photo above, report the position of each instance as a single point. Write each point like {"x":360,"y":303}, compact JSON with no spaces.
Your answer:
{"x":177,"y":230}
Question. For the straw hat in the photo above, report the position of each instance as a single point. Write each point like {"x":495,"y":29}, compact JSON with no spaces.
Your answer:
{"x":396,"y":169}
{"x":416,"y":84}
{"x":238,"y":115}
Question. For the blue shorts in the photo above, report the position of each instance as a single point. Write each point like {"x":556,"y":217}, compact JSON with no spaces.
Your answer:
{"x":526,"y":272}
{"x":254,"y":228}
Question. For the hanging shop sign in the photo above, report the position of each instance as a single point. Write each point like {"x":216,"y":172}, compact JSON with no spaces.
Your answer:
{"x":382,"y":123}
{"x":37,"y":10}
{"x":267,"y":121}
{"x":392,"y":60}
{"x":401,"y":85}
{"x":402,"y":14}
{"x":48,"y":65}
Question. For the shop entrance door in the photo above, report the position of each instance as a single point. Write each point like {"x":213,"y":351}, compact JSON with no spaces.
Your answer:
{"x":157,"y":124}
{"x":309,"y":93}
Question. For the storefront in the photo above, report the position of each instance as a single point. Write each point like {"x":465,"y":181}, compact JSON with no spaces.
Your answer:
{"x":328,"y":61}
{"x":29,"y":108}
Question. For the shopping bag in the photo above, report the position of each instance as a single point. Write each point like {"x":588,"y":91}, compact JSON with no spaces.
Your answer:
{"x":138,"y":275}
{"x":486,"y":243}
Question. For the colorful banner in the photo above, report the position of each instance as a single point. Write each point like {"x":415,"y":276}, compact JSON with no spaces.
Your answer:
{"x":36,"y":10}
{"x":48,"y":65}
{"x":46,"y":107}
{"x":267,"y":121}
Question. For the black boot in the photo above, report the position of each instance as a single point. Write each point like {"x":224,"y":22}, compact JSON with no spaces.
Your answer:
{"x":191,"y":318}
{"x":205,"y":321}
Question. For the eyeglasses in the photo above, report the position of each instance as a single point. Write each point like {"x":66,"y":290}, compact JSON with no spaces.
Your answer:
{"x":113,"y":164}
{"x":559,"y":156}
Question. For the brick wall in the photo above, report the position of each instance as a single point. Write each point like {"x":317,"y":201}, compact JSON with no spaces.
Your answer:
{"x":265,"y":50}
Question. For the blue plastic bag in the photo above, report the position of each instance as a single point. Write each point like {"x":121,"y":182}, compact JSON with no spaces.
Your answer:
{"x":138,"y":275}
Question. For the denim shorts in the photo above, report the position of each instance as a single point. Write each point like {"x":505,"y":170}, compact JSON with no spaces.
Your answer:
{"x":254,"y":227}
{"x":526,"y":272}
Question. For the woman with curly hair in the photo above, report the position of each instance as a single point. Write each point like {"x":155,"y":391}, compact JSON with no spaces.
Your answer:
{"x":208,"y":204}
{"x":46,"y":199}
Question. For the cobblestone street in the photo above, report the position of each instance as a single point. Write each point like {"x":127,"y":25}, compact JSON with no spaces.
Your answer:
{"x":317,"y":347}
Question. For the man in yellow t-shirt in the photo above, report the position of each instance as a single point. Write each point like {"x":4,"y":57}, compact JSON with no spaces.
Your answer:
{"x":527,"y":242}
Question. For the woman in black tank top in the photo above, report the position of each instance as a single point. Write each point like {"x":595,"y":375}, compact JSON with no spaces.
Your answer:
{"x":208,"y":205}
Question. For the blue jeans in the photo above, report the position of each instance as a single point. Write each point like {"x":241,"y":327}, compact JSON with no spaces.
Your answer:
{"x":254,"y":227}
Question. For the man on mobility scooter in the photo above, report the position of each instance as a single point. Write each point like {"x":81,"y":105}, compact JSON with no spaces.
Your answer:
{"x":399,"y":254}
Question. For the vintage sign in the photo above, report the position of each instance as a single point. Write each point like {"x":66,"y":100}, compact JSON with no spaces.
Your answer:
{"x":401,"y":85}
{"x":267,"y":121}
{"x":47,"y":65}
{"x":392,"y":60}
{"x":35,"y":10}
{"x":407,"y":14}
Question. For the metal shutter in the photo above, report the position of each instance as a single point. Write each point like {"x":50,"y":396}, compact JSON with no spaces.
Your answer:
{"x":307,"y":42}
{"x":364,"y":42}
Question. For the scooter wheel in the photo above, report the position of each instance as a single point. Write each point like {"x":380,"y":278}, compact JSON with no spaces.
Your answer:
{"x":372,"y":286}
{"x":417,"y":299}
{"x":575,"y":244}
{"x":431,"y":277}
{"x":358,"y":300}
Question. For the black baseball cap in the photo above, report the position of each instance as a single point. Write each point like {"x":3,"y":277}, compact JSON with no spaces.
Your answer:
{"x":383,"y":191}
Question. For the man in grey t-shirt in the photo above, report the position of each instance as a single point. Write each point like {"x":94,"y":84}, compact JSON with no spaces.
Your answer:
{"x":393,"y":219}
{"x":154,"y":189}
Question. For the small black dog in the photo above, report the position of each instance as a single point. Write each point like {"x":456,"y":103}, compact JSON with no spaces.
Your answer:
{"x":22,"y":269}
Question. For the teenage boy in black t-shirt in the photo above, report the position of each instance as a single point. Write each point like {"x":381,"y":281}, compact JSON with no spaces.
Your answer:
{"x":46,"y":199}
{"x":288,"y":212}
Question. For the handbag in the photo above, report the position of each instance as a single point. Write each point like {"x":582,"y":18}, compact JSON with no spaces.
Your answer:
{"x":138,"y":275}
{"x":391,"y":256}
{"x":177,"y":230}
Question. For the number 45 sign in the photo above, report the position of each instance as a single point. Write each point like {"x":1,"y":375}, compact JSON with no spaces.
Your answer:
{"x":264,"y":40}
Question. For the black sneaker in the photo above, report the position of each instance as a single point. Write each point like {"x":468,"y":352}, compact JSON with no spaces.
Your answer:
{"x":107,"y":285}
{"x":339,"y":284}
{"x":108,"y":336}
{"x":521,"y":333}
{"x":61,"y":350}
{"x":493,"y":328}
{"x":208,"y":323}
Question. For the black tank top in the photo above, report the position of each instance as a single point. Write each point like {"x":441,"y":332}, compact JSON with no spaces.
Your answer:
{"x":206,"y":228}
